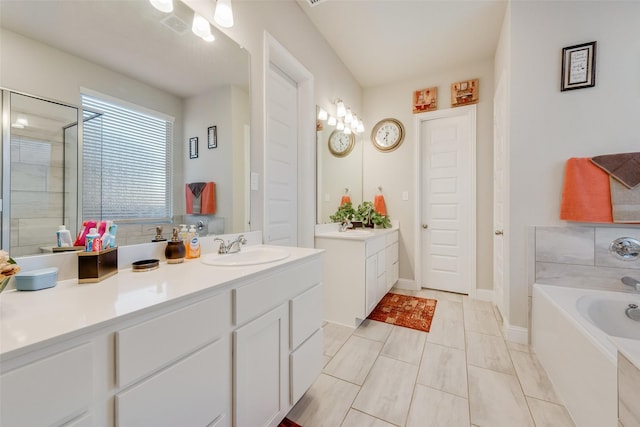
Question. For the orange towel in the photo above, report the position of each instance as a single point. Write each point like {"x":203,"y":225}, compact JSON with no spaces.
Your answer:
{"x":203,"y":192}
{"x":586,"y":194}
{"x":345,"y":199}
{"x":378,"y":204}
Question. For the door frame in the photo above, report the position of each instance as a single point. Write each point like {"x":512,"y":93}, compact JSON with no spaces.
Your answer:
{"x":277,"y":55}
{"x":469,"y":111}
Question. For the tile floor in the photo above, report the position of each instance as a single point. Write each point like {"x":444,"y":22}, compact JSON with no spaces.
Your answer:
{"x":461,"y":373}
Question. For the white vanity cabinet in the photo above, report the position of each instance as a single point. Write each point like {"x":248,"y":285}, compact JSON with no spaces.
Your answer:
{"x":358,"y":272}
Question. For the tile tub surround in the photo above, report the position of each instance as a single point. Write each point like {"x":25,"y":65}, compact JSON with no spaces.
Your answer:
{"x":435,"y":378}
{"x":578,"y":256}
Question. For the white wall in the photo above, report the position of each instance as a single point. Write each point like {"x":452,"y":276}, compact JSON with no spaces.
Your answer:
{"x":395,"y":171}
{"x":548,"y":126}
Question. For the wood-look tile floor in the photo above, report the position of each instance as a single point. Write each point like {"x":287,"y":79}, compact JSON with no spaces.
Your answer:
{"x":461,"y":373}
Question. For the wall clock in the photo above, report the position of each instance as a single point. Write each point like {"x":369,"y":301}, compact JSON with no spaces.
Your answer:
{"x":340,"y":143}
{"x":387,"y":135}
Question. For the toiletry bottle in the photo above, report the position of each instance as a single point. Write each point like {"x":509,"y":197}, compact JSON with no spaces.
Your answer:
{"x":82,"y":234}
{"x":183,"y":232}
{"x":190,"y":235}
{"x":175,"y":250}
{"x":92,"y":241}
{"x":109,"y":238}
{"x":64,"y":237}
{"x":194,"y":243}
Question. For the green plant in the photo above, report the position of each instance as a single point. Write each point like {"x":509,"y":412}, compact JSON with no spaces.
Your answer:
{"x":380,"y":220}
{"x":344,"y":212}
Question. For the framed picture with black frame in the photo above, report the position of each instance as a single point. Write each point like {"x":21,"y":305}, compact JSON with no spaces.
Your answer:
{"x":193,"y":147}
{"x":212,"y":137}
{"x":578,"y":66}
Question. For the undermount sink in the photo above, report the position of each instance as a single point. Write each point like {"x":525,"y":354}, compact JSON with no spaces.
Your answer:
{"x":249,"y":255}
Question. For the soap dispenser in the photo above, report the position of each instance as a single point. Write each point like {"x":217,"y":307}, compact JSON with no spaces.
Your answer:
{"x":175,"y":250}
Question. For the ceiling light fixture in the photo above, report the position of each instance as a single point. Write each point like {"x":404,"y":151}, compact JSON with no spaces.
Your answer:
{"x":202,"y":28}
{"x":223,"y":14}
{"x":322,"y":114}
{"x":340,"y":110}
{"x":332,"y":121}
{"x":165,"y":6}
{"x":348,"y":116}
{"x":340,"y":125}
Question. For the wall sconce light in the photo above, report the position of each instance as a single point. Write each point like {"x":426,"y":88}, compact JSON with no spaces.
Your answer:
{"x":165,"y":6}
{"x":322,"y":114}
{"x":223,"y":14}
{"x":202,"y":28}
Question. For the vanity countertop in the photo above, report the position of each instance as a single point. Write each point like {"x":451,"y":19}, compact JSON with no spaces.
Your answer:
{"x":29,"y":320}
{"x":331,"y":231}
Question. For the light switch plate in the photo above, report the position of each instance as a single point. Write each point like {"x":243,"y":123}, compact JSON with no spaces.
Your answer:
{"x":405,"y":195}
{"x":255,"y":177}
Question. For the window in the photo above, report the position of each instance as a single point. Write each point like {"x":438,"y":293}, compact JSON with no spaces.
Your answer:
{"x":126,"y":162}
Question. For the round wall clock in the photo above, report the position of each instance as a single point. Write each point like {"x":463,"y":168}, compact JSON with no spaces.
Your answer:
{"x":387,"y":134}
{"x":340,"y":143}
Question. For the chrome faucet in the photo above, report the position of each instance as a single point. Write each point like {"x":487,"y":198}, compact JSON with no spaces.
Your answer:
{"x":344,"y":225}
{"x":630,"y":281}
{"x":231,"y":247}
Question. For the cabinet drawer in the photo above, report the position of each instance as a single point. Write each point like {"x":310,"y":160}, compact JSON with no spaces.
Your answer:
{"x":148,"y":346}
{"x":392,"y":237}
{"x":306,"y":314}
{"x":254,"y":299}
{"x":48,"y":392}
{"x":306,"y":365}
{"x":374,"y":246}
{"x":193,"y":392}
{"x":392,"y":253}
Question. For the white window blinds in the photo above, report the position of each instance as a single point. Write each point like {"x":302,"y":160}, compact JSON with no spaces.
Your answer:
{"x":126,"y":169}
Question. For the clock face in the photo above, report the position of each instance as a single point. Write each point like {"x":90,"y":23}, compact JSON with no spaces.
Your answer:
{"x":341,"y":144}
{"x":387,"y":134}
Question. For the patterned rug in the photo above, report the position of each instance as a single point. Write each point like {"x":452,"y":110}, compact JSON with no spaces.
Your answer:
{"x":288,"y":423}
{"x":404,"y":310}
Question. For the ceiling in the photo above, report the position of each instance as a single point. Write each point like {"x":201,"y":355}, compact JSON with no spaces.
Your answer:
{"x":385,"y":41}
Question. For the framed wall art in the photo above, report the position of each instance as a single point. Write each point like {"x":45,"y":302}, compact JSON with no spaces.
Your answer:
{"x":465,"y":92}
{"x":578,"y":66}
{"x":193,"y":147}
{"x":212,"y":137}
{"x":425,"y":100}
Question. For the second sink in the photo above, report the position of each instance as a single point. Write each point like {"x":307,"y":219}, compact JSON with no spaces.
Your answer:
{"x":249,"y":255}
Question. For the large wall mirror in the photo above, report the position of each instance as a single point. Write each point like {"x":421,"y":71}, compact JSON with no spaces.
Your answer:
{"x":339,"y":170}
{"x":55,"y":52}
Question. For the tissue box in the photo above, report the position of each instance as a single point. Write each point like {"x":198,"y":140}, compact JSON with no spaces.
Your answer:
{"x":37,"y":279}
{"x":94,"y":267}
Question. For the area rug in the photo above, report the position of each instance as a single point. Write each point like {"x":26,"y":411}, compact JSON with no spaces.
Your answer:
{"x":404,"y":310}
{"x":288,"y":423}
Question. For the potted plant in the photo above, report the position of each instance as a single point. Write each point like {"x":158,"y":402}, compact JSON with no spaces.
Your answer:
{"x":344,"y":212}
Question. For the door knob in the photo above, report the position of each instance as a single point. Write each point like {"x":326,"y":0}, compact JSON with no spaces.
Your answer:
{"x":425,"y":226}
{"x":498,"y":233}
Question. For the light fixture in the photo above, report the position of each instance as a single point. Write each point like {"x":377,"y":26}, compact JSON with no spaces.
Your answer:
{"x":22,"y":121}
{"x":223,"y":14}
{"x":322,"y":114}
{"x":202,"y":28}
{"x":347,"y":130}
{"x":165,"y":6}
{"x":348,"y":116}
{"x":340,"y":110}
{"x":331,"y":121}
{"x":340,"y":125}
{"x":360,"y":126}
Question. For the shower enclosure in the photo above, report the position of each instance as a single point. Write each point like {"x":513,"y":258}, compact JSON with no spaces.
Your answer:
{"x":40,"y":163}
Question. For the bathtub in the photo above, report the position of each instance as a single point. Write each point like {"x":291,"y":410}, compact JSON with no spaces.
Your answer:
{"x":571,"y":334}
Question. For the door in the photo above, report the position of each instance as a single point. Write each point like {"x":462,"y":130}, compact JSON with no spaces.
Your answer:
{"x":281,"y":160}
{"x":500,"y":132}
{"x":447,"y":165}
{"x":261,"y":370}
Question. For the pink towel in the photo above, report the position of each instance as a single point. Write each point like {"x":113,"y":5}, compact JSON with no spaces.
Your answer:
{"x":586,"y":195}
{"x":378,"y":204}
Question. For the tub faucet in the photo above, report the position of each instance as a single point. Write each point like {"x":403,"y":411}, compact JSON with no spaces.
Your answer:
{"x":231,"y":247}
{"x":630,"y":281}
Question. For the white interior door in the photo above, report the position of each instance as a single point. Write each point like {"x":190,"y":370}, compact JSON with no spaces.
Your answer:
{"x":447,"y":164}
{"x":500,"y":132}
{"x":281,"y":159}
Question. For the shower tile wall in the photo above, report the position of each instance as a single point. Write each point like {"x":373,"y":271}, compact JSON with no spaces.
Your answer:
{"x":578,"y":256}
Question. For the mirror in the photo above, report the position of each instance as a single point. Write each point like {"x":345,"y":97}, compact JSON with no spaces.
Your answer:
{"x":130,"y":52}
{"x":336,"y":175}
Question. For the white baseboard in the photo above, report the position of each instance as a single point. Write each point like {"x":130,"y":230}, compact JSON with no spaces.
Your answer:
{"x":407,"y":284}
{"x":516,"y":334}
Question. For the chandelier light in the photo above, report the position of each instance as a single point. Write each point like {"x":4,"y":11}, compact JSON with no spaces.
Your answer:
{"x":223,"y":14}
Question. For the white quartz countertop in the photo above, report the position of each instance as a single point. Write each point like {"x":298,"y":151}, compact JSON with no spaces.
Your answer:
{"x":331,"y":231}
{"x":31,"y":318}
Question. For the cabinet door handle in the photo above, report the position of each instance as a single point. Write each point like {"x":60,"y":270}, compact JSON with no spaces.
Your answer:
{"x":425,"y":226}
{"x":498,"y":232}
